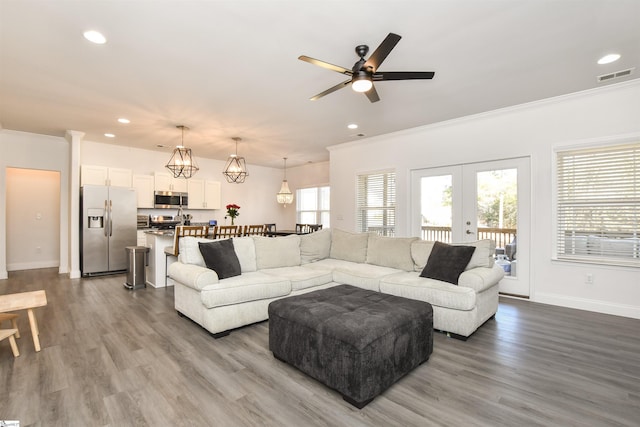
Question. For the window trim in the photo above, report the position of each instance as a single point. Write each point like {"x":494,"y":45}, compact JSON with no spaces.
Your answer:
{"x":317,"y":211}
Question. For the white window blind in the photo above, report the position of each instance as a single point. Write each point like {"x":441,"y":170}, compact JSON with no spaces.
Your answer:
{"x":598,"y":204}
{"x":376,"y":203}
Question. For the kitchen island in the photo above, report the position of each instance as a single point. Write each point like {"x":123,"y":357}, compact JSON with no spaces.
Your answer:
{"x":156,"y":241}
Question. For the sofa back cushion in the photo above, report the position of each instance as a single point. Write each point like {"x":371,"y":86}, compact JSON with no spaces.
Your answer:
{"x":482,"y":256}
{"x":315,"y":246}
{"x":348,"y":246}
{"x":243,"y":246}
{"x":274,"y":252}
{"x":394,"y":252}
{"x":246,"y":251}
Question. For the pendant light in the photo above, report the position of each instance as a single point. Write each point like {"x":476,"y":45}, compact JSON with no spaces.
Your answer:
{"x":182,"y":163}
{"x":285,"y":196}
{"x":235,"y":170}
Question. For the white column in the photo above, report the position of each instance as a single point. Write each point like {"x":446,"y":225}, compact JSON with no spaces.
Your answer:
{"x":72,"y":264}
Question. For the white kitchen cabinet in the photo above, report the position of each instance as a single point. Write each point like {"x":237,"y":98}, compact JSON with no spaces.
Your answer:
{"x":144,"y":185}
{"x":103,"y":175}
{"x":204,"y":194}
{"x":166,"y":182}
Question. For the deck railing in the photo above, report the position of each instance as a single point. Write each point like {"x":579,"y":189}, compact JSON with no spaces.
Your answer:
{"x":502,"y":236}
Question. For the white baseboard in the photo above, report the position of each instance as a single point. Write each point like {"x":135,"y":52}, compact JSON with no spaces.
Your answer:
{"x":75,"y":274}
{"x":32,"y":265}
{"x":597,"y":306}
{"x":4,"y":275}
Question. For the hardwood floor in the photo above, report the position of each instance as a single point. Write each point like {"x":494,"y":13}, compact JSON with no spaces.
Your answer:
{"x":113,"y":357}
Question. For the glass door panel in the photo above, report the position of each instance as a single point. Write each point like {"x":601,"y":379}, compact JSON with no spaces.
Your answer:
{"x":489,"y":200}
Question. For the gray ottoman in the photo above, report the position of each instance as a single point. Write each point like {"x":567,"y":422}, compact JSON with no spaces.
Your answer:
{"x":355,"y":341}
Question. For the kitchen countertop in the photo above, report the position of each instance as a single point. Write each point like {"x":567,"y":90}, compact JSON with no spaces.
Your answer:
{"x":160,"y":232}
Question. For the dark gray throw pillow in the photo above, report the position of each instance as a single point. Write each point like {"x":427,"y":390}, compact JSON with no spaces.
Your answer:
{"x":447,"y":262}
{"x":220,"y":257}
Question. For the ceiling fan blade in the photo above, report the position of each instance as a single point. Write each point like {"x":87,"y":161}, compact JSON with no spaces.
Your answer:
{"x":330,"y":90}
{"x":372,"y":94}
{"x":326,"y":65}
{"x":403,"y":75}
{"x":382,"y":51}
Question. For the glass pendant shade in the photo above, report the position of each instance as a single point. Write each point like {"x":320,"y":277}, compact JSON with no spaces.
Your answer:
{"x":182,"y":163}
{"x":235,"y":170}
{"x":285,"y":196}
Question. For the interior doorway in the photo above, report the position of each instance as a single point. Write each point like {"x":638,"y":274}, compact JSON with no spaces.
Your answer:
{"x":488,"y":200}
{"x":32,"y":219}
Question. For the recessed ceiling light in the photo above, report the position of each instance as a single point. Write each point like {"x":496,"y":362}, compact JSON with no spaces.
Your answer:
{"x":352,"y":126}
{"x":608,"y":59}
{"x":95,"y":37}
{"x":123,"y":120}
{"x":109,"y":135}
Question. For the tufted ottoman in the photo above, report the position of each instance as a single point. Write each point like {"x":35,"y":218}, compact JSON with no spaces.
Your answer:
{"x":356,"y":341}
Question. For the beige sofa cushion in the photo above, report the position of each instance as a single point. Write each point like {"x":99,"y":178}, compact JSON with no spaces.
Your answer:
{"x":274,"y":252}
{"x":315,"y":246}
{"x":300,"y":277}
{"x":244,"y":288}
{"x":420,"y":251}
{"x":348,"y":246}
{"x":435,"y":292}
{"x":394,"y":252}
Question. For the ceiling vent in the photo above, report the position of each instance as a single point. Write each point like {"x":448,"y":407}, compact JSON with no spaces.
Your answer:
{"x":616,"y":75}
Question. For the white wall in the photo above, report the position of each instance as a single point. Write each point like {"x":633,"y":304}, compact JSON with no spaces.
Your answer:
{"x":33,"y":219}
{"x":528,"y":130}
{"x":32,"y":151}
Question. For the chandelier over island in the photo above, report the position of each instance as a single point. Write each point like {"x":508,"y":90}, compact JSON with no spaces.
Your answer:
{"x":285,"y":196}
{"x":235,"y":170}
{"x":182,"y":163}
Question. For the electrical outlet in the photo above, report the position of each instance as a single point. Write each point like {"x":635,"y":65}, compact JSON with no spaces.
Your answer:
{"x":588,"y":279}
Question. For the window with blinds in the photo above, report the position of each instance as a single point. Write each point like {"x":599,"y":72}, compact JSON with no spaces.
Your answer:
{"x":313,"y":206}
{"x":598,"y":204}
{"x":376,"y":203}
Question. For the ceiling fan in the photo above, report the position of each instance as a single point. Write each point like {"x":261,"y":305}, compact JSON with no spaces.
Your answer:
{"x":365,"y":72}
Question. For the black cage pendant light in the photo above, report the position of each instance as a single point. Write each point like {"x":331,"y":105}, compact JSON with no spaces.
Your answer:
{"x":235,"y":170}
{"x":182,"y":163}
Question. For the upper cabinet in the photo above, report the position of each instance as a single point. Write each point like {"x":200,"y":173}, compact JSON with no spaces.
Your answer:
{"x":103,"y":175}
{"x":144,"y":185}
{"x":166,"y":182}
{"x":204,"y":194}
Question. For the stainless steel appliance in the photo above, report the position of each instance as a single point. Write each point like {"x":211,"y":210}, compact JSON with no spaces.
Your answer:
{"x":170,"y":199}
{"x":163,"y":221}
{"x":108,"y":226}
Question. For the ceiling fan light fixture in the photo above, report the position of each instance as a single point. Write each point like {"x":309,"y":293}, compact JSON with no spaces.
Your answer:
{"x":285,"y":196}
{"x":182,"y":164}
{"x":362,"y":82}
{"x":235,"y":170}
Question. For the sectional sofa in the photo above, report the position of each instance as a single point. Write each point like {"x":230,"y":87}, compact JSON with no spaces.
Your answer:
{"x":274,"y":268}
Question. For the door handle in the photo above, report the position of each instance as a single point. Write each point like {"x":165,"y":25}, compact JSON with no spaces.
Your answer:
{"x":470,"y":232}
{"x":110,"y":219}
{"x":105,"y":218}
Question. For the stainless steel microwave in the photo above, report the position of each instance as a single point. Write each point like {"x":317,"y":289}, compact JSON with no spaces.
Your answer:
{"x":170,"y":200}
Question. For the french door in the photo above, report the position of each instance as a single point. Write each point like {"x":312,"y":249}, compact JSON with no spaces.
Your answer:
{"x":488,"y":200}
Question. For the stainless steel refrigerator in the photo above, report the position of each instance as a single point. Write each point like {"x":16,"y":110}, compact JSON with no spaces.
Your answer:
{"x":108,"y":226}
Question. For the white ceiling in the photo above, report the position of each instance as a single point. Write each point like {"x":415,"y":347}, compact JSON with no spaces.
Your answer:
{"x":230,"y":68}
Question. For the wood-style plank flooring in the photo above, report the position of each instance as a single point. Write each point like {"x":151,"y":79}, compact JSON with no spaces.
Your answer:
{"x":113,"y":357}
